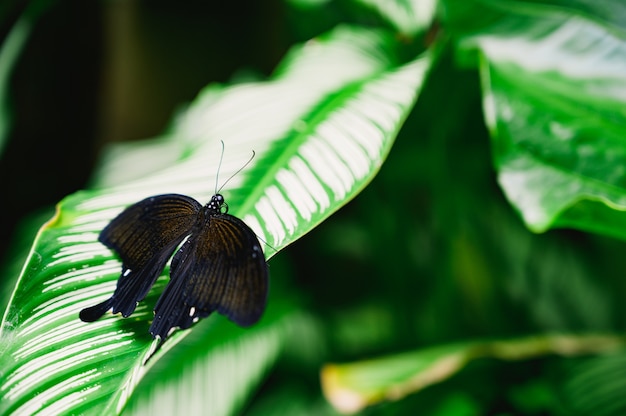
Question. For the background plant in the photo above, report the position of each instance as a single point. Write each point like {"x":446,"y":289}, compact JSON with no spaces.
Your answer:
{"x":518,"y":125}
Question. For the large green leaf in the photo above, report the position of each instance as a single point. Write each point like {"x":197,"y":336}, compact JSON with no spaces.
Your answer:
{"x":215,"y":372}
{"x":554,"y":101}
{"x":321,"y":127}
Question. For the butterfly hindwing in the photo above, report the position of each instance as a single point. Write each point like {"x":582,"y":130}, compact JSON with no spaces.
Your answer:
{"x":144,"y":235}
{"x":221,"y":267}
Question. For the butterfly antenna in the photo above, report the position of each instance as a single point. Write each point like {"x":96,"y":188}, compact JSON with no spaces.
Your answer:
{"x":239,"y":170}
{"x":219,"y":166}
{"x":267,"y":244}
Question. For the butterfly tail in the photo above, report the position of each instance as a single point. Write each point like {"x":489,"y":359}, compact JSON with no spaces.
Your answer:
{"x":134,"y":287}
{"x":131,"y":288}
{"x":94,"y":313}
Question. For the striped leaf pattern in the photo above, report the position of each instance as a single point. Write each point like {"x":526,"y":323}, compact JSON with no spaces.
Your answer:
{"x":321,"y":128}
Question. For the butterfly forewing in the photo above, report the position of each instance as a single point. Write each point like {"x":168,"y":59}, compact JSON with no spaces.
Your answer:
{"x":144,"y":229}
{"x":144,"y":235}
{"x":221,"y":267}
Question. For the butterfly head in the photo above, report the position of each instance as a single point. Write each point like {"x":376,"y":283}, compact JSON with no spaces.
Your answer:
{"x":217,"y":204}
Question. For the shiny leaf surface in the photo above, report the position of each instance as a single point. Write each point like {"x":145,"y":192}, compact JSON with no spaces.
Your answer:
{"x":554,"y":102}
{"x":321,"y":127}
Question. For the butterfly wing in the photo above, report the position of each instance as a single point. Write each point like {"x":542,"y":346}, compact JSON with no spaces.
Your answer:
{"x":219,"y":268}
{"x":144,"y":235}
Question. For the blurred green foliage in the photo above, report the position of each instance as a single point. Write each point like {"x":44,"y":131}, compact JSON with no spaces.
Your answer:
{"x":430,"y":253}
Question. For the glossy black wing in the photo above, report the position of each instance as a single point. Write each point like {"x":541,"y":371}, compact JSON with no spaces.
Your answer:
{"x":220,"y":268}
{"x":144,"y":235}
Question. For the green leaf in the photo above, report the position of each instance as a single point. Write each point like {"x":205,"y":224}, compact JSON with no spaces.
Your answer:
{"x":353,"y":386}
{"x":222,"y":366}
{"x":554,"y":101}
{"x":407,"y":17}
{"x":594,"y":385}
{"x":321,"y":127}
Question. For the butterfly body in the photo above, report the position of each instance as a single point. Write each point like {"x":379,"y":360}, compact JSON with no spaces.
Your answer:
{"x":220,"y":265}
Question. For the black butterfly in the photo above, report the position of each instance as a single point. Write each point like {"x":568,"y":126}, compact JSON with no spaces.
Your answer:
{"x":220,"y":267}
